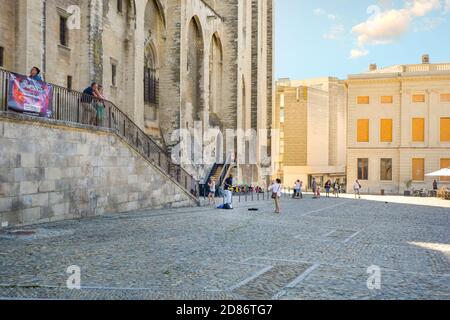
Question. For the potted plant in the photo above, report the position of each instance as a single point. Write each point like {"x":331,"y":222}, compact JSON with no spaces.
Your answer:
{"x":408,"y":185}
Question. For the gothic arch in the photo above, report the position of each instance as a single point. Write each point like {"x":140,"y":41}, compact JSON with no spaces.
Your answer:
{"x":159,"y":6}
{"x":216,"y":74}
{"x":195,"y":70}
{"x":154,"y":28}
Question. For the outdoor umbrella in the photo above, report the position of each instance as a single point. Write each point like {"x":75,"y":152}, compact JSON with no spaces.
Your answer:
{"x":441,"y":173}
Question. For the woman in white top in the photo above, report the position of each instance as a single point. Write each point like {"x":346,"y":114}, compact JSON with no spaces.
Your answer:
{"x":276,"y":194}
{"x":357,"y":189}
{"x":212,"y":192}
{"x":297,"y":187}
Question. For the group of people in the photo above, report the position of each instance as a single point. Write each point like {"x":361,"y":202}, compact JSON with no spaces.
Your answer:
{"x":276,"y":189}
{"x":336,"y":186}
{"x":227,"y":192}
{"x":93,"y":100}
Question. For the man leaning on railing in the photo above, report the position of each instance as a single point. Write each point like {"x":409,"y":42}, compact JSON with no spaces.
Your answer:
{"x":89,"y":113}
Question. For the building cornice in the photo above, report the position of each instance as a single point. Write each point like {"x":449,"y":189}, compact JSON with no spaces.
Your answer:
{"x":398,"y":79}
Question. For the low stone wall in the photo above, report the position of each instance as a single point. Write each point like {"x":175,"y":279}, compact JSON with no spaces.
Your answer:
{"x":52,"y":171}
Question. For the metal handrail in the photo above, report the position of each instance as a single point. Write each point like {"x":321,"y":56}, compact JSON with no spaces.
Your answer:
{"x":77,"y":107}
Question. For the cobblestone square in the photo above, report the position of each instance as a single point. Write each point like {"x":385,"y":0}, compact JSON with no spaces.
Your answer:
{"x":317,"y":249}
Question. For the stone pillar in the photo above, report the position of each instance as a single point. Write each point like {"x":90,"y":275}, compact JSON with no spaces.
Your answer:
{"x":95,"y":40}
{"x":139,"y":43}
{"x":29,"y":36}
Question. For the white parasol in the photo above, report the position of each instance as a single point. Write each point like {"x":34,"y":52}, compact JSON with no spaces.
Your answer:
{"x":440,"y":173}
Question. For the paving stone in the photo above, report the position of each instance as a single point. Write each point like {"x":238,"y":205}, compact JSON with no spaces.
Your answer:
{"x":307,"y":252}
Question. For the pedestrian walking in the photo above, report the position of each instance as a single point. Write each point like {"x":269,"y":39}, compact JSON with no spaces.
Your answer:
{"x":297,"y":188}
{"x":336,"y":189}
{"x":328,"y":188}
{"x":301,"y":190}
{"x":275,"y":188}
{"x":357,"y":189}
{"x":314,"y":188}
{"x":212,"y":192}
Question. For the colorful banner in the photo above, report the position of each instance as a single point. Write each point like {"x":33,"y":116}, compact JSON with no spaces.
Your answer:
{"x":30,"y":96}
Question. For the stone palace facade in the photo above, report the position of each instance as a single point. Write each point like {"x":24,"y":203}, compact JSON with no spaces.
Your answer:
{"x":166,"y":63}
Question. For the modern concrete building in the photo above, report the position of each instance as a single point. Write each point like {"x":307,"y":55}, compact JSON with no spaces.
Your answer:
{"x":398,"y":126}
{"x":310,"y":116}
{"x":165,"y":63}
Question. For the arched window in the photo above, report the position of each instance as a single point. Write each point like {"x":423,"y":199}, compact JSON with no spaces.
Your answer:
{"x":216,"y":74}
{"x":151,"y":82}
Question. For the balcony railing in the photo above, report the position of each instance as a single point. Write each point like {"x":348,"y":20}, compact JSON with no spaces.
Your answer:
{"x":76,"y":107}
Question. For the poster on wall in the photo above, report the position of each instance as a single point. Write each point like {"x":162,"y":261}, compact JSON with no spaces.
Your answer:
{"x":30,"y":96}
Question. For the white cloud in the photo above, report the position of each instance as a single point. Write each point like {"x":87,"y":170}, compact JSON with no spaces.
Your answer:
{"x":319,"y":12}
{"x":383,"y":27}
{"x":420,"y":8}
{"x":447,"y":6}
{"x":335,"y":33}
{"x":386,"y":26}
{"x":322,"y":12}
{"x":358,"y":53}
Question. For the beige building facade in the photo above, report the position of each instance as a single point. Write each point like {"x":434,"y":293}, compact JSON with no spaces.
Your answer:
{"x":166,"y":63}
{"x":398,"y":127}
{"x":310,"y":117}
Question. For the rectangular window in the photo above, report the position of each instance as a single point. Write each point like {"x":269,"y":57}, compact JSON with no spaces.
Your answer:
{"x":63,"y":32}
{"x":363,"y":100}
{"x":2,"y":54}
{"x":386,"y":170}
{"x":445,"y":129}
{"x":69,"y":82}
{"x":386,"y":130}
{"x":418,"y":129}
{"x":119,"y":6}
{"x":418,"y":98}
{"x":363,"y":130}
{"x":387,"y":99}
{"x":418,"y":169}
{"x":363,"y":169}
{"x":282,"y":100}
{"x":114,"y":74}
{"x":445,"y":163}
{"x":445,"y":97}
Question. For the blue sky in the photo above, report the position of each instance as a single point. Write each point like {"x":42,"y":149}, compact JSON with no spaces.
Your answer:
{"x":316,"y":38}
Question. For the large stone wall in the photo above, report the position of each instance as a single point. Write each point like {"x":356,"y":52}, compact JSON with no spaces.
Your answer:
{"x":51,"y":172}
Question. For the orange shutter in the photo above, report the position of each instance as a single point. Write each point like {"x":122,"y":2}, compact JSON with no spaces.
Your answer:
{"x":387,"y":99}
{"x":386,"y":130}
{"x":418,"y":130}
{"x":445,"y":97}
{"x":418,"y":169}
{"x":363,"y":100}
{"x":418,"y":98}
{"x":445,"y":163}
{"x":445,"y":129}
{"x":363,"y":130}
